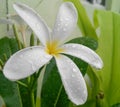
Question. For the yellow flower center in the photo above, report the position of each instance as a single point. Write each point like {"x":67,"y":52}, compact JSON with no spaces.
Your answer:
{"x":53,"y":49}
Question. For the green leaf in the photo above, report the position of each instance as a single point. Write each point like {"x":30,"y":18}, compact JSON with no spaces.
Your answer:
{"x":53,"y":93}
{"x":115,"y":6}
{"x":8,"y":90}
{"x":109,"y":51}
{"x":83,"y":20}
{"x":86,"y":41}
{"x":116,"y":105}
{"x":108,"y":4}
{"x":2,"y":104}
{"x":8,"y":46}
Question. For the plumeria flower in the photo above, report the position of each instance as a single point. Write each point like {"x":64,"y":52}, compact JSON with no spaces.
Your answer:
{"x":27,"y":61}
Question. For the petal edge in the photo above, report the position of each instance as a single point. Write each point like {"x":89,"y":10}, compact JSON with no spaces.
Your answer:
{"x":84,"y":53}
{"x":25,"y":62}
{"x":72,"y":79}
{"x":34,"y":21}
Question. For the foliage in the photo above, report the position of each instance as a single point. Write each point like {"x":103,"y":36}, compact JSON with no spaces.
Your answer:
{"x":103,"y":86}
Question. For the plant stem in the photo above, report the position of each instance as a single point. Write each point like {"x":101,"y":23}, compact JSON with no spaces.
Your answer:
{"x":1,"y":63}
{"x":32,"y":98}
{"x":31,"y":93}
{"x":55,"y":104}
{"x":7,"y":12}
{"x":39,"y":86}
{"x":21,"y":83}
{"x":16,"y":36}
{"x":32,"y":39}
{"x":24,"y":38}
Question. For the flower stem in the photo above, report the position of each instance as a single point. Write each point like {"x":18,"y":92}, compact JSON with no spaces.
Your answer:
{"x":32,"y":98}
{"x":16,"y":36}
{"x":24,"y":38}
{"x":31,"y":93}
{"x":39,"y":86}
{"x":21,"y":83}
{"x":1,"y":63}
{"x":32,"y":39}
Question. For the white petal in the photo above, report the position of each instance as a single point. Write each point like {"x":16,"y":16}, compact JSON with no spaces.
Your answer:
{"x":65,"y":22}
{"x":34,"y":21}
{"x":72,"y":79}
{"x":25,"y":62}
{"x":84,"y":53}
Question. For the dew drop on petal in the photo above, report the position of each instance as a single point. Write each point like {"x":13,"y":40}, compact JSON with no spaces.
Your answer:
{"x":21,"y":56}
{"x":33,"y":67}
{"x":73,"y":75}
{"x":64,"y":29}
{"x":66,"y":25}
{"x":81,"y":100}
{"x":57,"y":29}
{"x":38,"y":26}
{"x":84,"y":92}
{"x":46,"y":57}
{"x":73,"y":46}
{"x":67,"y":19}
{"x":74,"y":70}
{"x":61,"y":20}
{"x":59,"y":24}
{"x":71,"y":63}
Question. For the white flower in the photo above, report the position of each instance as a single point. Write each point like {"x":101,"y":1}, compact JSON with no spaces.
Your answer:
{"x":27,"y":61}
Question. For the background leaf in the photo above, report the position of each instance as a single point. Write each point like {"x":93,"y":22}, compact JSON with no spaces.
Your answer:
{"x":115,"y":6}
{"x":8,"y":90}
{"x":2,"y":104}
{"x":7,"y":47}
{"x":109,"y":50}
{"x":53,"y":94}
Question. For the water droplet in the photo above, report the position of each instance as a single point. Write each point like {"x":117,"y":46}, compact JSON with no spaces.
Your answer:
{"x":64,"y":29}
{"x":21,"y":56}
{"x":59,"y":24}
{"x":82,"y":47}
{"x":61,"y":20}
{"x":71,"y":63}
{"x":78,"y":88}
{"x":67,"y":19}
{"x":38,"y":26}
{"x":81,"y":100}
{"x":73,"y":46}
{"x":29,"y":55}
{"x":74,"y":70}
{"x":66,"y":25}
{"x":47,"y":57}
{"x":33,"y":67}
{"x":57,"y":29}
{"x":76,"y":91}
{"x":73,"y":75}
{"x":84,"y":92}
{"x":68,"y":61}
